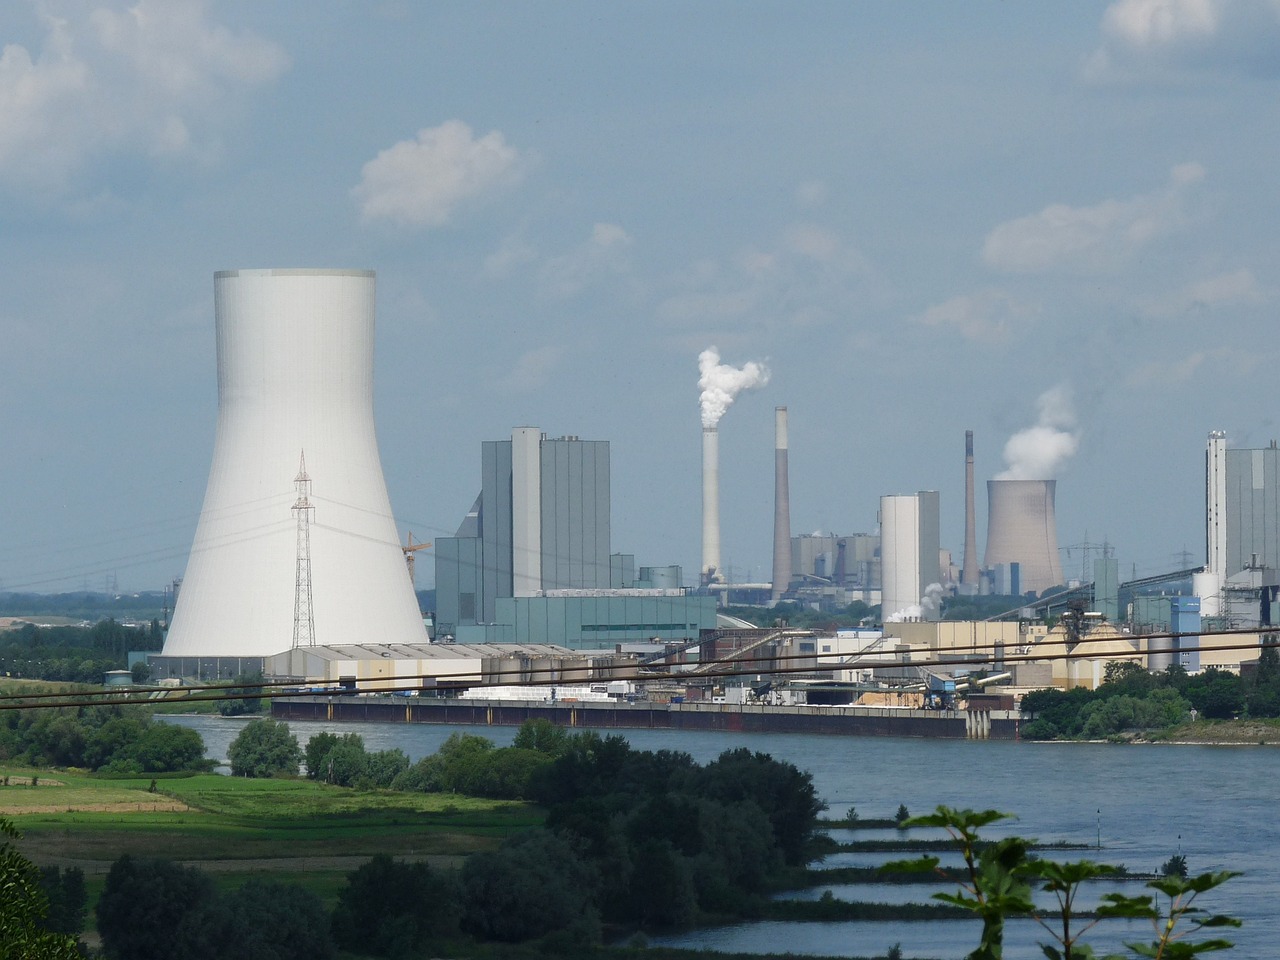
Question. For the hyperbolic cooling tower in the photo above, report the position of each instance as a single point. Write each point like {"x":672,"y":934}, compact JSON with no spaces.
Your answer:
{"x":1022,"y":529}
{"x":781,"y":508}
{"x":295,"y":377}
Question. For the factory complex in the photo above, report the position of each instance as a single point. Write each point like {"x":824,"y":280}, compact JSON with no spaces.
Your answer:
{"x":535,"y":605}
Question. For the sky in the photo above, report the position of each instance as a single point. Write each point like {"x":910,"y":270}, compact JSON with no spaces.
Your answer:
{"x":1051,"y":224}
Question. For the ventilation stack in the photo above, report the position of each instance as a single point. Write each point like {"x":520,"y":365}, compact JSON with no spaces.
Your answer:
{"x":781,"y":508}
{"x":711,"y":505}
{"x":1207,"y":585}
{"x":969,"y":572}
{"x":1022,"y":529}
{"x":295,"y":373}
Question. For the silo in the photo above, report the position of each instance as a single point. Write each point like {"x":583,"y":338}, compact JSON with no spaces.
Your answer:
{"x":295,"y":377}
{"x":1022,"y":529}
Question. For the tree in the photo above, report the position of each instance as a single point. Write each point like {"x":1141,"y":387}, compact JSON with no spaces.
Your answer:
{"x":263,"y":920}
{"x":534,"y":885}
{"x":264,"y":748}
{"x":542,"y":735}
{"x":238,"y":706}
{"x":390,"y":907}
{"x":68,"y":899}
{"x":157,"y":910}
{"x":23,"y":907}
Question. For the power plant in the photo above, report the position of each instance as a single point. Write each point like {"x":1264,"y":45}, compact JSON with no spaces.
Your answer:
{"x":296,"y":543}
{"x":969,"y":572}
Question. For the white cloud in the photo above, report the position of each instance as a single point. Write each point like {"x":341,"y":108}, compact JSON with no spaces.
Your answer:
{"x":1089,"y":239}
{"x":532,"y":370}
{"x":603,"y":254}
{"x":1226,"y":363}
{"x":155,"y":78}
{"x":1237,"y":288}
{"x":421,"y":182}
{"x":808,"y":277}
{"x":1141,"y":37}
{"x":986,"y":316}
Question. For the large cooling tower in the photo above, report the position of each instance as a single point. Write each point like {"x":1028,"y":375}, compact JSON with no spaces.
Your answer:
{"x":1022,"y":529}
{"x":711,"y":505}
{"x":781,"y":508}
{"x":295,"y":376}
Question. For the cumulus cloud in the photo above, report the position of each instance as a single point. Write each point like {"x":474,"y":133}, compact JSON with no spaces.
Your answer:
{"x":421,"y":182}
{"x":1235,"y":288}
{"x":156,"y":78}
{"x":807,"y":277}
{"x":986,"y":316}
{"x":1140,"y":37}
{"x":603,"y":254}
{"x":1089,"y":239}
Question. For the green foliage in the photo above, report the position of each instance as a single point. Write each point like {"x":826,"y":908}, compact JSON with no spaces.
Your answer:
{"x":24,"y":934}
{"x":264,"y":748}
{"x":1175,"y":866}
{"x":263,"y":920}
{"x":902,"y":816}
{"x":534,"y":885}
{"x":542,"y":735}
{"x":75,"y":654}
{"x":68,"y":899}
{"x":471,"y":765}
{"x":156,"y":910}
{"x":997,"y":885}
{"x":111,"y":738}
{"x":391,"y":908}
{"x":239,"y":706}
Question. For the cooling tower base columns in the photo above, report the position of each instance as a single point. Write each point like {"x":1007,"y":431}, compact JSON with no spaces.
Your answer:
{"x":295,"y":374}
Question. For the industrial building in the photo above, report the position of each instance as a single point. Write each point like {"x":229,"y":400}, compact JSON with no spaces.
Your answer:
{"x":296,"y":545}
{"x":909,"y":555}
{"x":531,"y":562}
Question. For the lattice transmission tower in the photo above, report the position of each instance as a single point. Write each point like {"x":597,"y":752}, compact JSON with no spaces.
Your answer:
{"x":304,"y":621}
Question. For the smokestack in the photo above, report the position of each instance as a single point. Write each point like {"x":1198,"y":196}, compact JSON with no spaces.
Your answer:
{"x":711,"y":504}
{"x":969,"y":572}
{"x":1022,"y":529}
{"x":1208,"y":585}
{"x":295,"y":372}
{"x":781,"y":508}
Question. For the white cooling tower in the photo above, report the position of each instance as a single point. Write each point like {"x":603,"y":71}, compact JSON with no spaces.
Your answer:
{"x":295,"y":376}
{"x":1022,"y":529}
{"x":711,"y":505}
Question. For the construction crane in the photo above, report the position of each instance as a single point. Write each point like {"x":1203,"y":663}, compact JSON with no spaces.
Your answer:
{"x":410,"y":548}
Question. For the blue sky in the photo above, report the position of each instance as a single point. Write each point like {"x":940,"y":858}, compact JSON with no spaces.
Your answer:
{"x":923,"y":218}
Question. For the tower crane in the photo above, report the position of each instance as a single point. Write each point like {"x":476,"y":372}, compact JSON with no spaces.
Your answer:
{"x":410,"y":548}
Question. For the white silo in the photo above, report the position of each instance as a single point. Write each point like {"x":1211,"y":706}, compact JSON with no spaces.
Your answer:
{"x":909,"y":533}
{"x":295,"y":377}
{"x":1022,"y":529}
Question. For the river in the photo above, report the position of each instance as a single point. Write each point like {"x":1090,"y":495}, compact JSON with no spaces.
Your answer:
{"x":1217,"y":805}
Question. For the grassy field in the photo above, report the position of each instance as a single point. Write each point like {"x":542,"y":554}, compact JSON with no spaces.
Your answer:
{"x":292,"y":831}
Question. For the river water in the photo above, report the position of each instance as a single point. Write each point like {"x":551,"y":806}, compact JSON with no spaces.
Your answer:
{"x":1216,"y":805}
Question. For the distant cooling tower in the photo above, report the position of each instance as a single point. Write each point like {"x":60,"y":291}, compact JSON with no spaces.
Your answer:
{"x":1022,"y":529}
{"x":295,"y":375}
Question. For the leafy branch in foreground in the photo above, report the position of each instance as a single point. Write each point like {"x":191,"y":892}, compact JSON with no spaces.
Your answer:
{"x":997,"y":884}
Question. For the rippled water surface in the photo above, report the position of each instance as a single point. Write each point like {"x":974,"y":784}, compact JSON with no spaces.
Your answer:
{"x":1144,"y":802}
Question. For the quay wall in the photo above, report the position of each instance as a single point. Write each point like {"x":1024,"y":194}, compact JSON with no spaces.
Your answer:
{"x":737,"y":718}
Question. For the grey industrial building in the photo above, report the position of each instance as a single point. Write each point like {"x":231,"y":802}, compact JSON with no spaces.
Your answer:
{"x":532,"y":562}
{"x":1252,"y":509}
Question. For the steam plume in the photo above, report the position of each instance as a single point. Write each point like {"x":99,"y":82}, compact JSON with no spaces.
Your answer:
{"x":720,"y":383}
{"x":1038,"y":452}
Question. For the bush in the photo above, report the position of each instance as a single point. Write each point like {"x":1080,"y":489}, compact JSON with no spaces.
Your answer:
{"x":389,"y":908}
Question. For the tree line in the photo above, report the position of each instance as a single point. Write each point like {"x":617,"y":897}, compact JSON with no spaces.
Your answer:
{"x":107,"y":738}
{"x":73,"y":654}
{"x":1130,"y":699}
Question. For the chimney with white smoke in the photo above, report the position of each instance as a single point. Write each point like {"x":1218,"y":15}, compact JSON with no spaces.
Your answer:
{"x":1021,"y":518}
{"x":720,"y":384}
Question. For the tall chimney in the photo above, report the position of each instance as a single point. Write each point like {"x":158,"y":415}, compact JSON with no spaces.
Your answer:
{"x":711,"y":505}
{"x":969,"y":572}
{"x":1207,"y":585}
{"x":781,"y":508}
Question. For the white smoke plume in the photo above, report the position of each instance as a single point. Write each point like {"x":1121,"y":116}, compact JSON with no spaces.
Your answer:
{"x":720,"y":383}
{"x":1037,"y":453}
{"x":929,"y":607}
